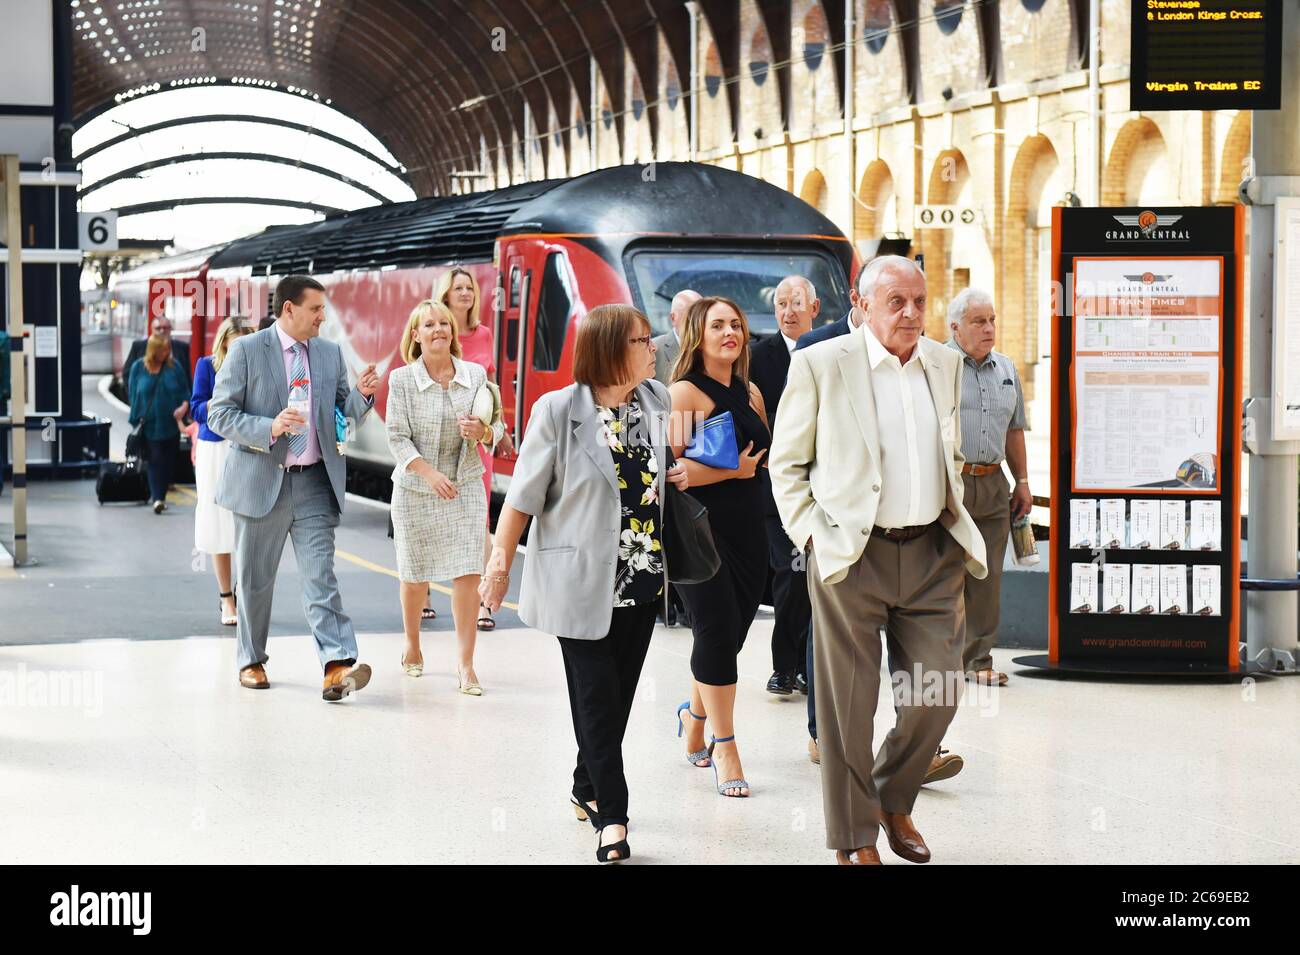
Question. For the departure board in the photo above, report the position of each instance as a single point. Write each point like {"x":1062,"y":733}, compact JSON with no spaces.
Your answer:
{"x":1206,"y":54}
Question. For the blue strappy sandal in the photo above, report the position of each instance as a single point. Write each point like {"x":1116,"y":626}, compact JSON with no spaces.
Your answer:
{"x":695,"y":757}
{"x":730,"y":783}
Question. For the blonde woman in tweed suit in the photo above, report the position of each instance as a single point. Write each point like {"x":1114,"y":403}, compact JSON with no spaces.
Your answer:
{"x":439,"y":505}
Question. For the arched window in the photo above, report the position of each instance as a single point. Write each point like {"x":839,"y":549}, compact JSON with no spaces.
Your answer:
{"x":876,"y":21}
{"x":947,"y":15}
{"x":814,"y":37}
{"x":760,"y":56}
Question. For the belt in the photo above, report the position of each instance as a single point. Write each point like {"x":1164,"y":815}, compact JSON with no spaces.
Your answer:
{"x":299,"y":468}
{"x":899,"y":534}
{"x":979,"y":470}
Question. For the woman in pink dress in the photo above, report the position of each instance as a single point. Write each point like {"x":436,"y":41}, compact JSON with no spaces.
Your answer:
{"x":459,"y":291}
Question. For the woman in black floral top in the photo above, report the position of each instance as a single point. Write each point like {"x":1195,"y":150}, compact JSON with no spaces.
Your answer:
{"x":640,"y":575}
{"x":595,"y":570}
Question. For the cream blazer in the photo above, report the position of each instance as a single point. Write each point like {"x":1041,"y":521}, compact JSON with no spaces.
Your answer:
{"x":414,"y":421}
{"x":825,"y":457}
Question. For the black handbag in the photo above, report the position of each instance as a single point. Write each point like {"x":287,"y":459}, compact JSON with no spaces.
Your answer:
{"x":137,"y":446}
{"x":121,"y":482}
{"x":689,"y":552}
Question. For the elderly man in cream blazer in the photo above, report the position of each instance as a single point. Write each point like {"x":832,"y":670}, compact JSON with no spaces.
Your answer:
{"x":866,"y":473}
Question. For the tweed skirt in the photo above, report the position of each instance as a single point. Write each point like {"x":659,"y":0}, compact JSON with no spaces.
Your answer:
{"x":437,"y":539}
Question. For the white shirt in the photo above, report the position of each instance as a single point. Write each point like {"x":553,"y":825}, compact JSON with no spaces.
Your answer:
{"x":911,"y":451}
{"x":789,"y":342}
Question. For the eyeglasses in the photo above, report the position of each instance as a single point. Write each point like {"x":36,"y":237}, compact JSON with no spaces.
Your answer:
{"x":644,"y":340}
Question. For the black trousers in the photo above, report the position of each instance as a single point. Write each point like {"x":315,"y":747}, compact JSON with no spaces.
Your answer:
{"x":162,"y":459}
{"x":602,"y":676}
{"x":789,"y":600}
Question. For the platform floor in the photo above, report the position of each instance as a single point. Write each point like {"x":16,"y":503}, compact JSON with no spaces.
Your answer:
{"x":124,"y":736}
{"x":157,"y":755}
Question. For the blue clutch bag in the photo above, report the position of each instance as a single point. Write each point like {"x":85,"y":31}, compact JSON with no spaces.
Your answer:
{"x":340,"y":429}
{"x":714,"y":443}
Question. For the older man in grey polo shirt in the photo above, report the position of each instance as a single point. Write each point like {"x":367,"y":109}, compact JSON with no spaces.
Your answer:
{"x":992,"y":431}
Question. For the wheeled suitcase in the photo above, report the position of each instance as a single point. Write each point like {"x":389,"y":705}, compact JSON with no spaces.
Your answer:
{"x":122,"y":482}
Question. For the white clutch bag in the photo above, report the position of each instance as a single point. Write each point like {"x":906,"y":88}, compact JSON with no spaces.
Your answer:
{"x":484,"y":406}
{"x":487,"y":408}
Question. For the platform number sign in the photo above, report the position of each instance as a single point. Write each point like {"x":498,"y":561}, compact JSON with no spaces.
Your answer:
{"x":98,"y":231}
{"x":944,"y":217}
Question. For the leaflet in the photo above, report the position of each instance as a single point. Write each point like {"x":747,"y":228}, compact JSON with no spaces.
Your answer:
{"x":1206,"y":599}
{"x":1115,"y":588}
{"x":1146,"y":588}
{"x":1083,"y":523}
{"x":1112,"y":522}
{"x":1206,"y":531}
{"x":1173,"y":588}
{"x":1083,"y":588}
{"x":1146,"y":372}
{"x":1144,"y":518}
{"x":1173,"y":525}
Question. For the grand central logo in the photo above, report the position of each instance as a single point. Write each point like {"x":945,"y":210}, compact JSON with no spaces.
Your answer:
{"x":1147,"y":225}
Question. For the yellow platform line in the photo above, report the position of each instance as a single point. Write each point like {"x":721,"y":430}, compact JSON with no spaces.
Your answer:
{"x":381,"y":569}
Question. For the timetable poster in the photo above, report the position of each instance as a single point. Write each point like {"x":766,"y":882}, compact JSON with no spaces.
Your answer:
{"x":1147,"y":339}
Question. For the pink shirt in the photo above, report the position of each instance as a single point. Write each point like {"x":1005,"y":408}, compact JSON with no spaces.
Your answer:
{"x":476,"y":346}
{"x":312,"y":454}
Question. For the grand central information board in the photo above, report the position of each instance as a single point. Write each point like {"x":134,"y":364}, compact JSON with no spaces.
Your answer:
{"x":1206,"y":54}
{"x":1145,"y":552}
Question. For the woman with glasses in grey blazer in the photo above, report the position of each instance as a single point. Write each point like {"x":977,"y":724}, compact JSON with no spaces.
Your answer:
{"x":591,"y":474}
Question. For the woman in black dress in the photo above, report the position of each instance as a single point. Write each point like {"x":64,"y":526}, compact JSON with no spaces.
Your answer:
{"x":712,"y":376}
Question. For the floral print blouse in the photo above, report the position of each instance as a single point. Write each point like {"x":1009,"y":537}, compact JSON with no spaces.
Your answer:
{"x":639,"y":577}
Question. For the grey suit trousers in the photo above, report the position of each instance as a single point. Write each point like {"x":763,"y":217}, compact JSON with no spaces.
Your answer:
{"x":305,"y":510}
{"x":911,"y":591}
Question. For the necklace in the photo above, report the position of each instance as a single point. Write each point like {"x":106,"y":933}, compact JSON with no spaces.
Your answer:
{"x":443,"y":379}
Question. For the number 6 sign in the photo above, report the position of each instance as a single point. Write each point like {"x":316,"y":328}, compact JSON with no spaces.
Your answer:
{"x":98,"y":231}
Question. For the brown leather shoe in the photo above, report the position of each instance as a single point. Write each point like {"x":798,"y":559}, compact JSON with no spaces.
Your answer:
{"x":342,"y":678}
{"x":814,"y":754}
{"x":867,"y":855}
{"x":903,"y":837}
{"x":943,"y":765}
{"x":990,"y":677}
{"x":254,"y":677}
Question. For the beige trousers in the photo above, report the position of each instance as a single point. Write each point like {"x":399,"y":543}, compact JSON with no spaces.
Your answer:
{"x":911,"y":591}
{"x":988,"y":499}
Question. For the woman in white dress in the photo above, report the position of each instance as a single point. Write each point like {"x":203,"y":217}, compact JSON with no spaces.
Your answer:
{"x":214,"y":526}
{"x":439,"y":504}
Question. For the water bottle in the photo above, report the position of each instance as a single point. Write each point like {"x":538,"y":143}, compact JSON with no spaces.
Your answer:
{"x":1022,"y":539}
{"x":299,"y":403}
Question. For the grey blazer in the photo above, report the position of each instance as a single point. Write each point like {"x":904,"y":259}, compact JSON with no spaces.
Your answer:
{"x":413,"y":420}
{"x":565,"y":478}
{"x":667,"y":348}
{"x":251,"y":389}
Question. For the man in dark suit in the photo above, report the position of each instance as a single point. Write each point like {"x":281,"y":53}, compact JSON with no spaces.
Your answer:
{"x":796,"y":304}
{"x":162,"y":327}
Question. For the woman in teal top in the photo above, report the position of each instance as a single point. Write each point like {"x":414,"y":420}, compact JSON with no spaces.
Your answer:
{"x":159,"y":392}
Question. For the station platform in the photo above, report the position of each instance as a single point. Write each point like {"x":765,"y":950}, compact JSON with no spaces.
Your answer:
{"x":126,"y":737}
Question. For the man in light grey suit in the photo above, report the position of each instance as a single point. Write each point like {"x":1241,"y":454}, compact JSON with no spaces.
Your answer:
{"x":284,"y":476}
{"x":669,"y":345}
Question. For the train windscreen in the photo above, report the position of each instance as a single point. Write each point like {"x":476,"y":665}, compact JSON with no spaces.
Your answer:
{"x":747,"y":276}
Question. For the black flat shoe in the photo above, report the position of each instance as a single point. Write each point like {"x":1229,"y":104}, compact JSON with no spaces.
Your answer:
{"x":801,"y":683}
{"x":603,"y":852}
{"x":781,"y":683}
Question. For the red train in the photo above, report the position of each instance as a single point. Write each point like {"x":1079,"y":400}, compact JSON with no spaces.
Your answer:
{"x":543,"y":253}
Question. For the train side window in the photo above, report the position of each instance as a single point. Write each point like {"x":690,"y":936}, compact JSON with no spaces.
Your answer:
{"x":554,"y":306}
{"x":515,"y":278}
